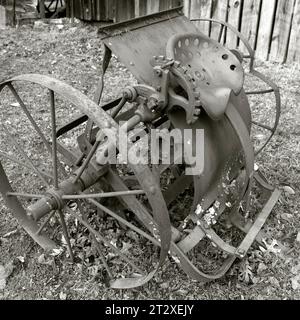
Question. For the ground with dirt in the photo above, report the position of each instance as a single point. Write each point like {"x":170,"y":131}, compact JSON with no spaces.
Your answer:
{"x":74,"y":55}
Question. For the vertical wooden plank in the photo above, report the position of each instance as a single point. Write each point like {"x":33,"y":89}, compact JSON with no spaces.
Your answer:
{"x":282,"y":27}
{"x":99,"y":9}
{"x":2,"y":17}
{"x":187,"y":8}
{"x":89,"y":10}
{"x":195,"y":8}
{"x":219,"y":12}
{"x":250,"y":19}
{"x":234,"y":18}
{"x":294,"y":45}
{"x":264,"y":36}
{"x":206,"y":6}
{"x":152,"y":6}
{"x":202,"y":9}
{"x":111,"y":7}
{"x":130,"y":9}
{"x":82,"y":13}
{"x":163,"y":4}
{"x":140,"y":7}
{"x":42,"y":8}
{"x":124,"y":10}
{"x":137,"y":8}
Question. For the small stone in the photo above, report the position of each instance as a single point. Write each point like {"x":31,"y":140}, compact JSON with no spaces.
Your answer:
{"x":298,"y":237}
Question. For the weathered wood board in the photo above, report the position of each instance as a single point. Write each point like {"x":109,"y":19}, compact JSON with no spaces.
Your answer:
{"x":250,"y":20}
{"x":219,"y":12}
{"x":281,"y":31}
{"x":234,"y":18}
{"x":264,"y":36}
{"x":294,"y":45}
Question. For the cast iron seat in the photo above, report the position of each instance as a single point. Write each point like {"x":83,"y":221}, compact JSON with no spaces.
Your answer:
{"x":212,"y":70}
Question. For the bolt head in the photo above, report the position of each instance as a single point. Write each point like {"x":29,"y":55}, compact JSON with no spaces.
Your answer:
{"x":241,"y":253}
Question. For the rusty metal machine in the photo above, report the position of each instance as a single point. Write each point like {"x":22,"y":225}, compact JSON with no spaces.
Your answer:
{"x":54,"y":168}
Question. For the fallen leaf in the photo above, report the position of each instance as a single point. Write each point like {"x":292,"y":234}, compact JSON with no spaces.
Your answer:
{"x":56,"y":252}
{"x":289,"y":190}
{"x":164,"y":285}
{"x":245,"y":271}
{"x":2,"y":278}
{"x":15,"y":104}
{"x":125,"y":246}
{"x":260,"y":136}
{"x":261,"y":267}
{"x":43,"y":260}
{"x":286,"y":216}
{"x":274,"y":282}
{"x":273,"y":247}
{"x":295,"y":282}
{"x":62,"y":296}
{"x":298,"y":237}
{"x":21,"y":259}
{"x":5,"y":272}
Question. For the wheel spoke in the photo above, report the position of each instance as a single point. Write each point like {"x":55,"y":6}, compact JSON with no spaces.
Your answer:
{"x":43,"y":225}
{"x":103,"y":195}
{"x":262,"y":126}
{"x":23,"y":154}
{"x":29,"y":116}
{"x":87,"y":161}
{"x":98,"y":235}
{"x":66,"y":234}
{"x":125,"y":222}
{"x":24,"y":195}
{"x":54,"y":144}
{"x":96,"y":243}
{"x":32,"y":121}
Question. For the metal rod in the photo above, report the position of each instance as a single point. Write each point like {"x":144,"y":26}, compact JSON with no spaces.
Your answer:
{"x":30,"y":118}
{"x":262,"y":126}
{"x":54,"y":144}
{"x":86,"y":161}
{"x":24,"y":195}
{"x":98,"y":235}
{"x":32,"y":121}
{"x":220,"y":33}
{"x":103,"y":195}
{"x":66,"y":234}
{"x":96,"y":243}
{"x":125,"y":222}
{"x":132,"y":122}
{"x":26,"y":158}
{"x":45,"y":223}
{"x":118,"y":108}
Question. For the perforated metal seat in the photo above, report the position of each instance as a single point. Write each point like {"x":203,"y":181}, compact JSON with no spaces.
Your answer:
{"x":208,"y":65}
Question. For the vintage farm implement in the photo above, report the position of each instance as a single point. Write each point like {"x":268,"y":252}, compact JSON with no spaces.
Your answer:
{"x":53,"y":167}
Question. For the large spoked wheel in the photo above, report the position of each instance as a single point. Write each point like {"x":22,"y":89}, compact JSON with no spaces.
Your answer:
{"x":43,"y":173}
{"x":47,"y":171}
{"x":52,"y":7}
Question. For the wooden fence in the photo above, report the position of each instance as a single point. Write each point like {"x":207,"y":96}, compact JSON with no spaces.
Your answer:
{"x":117,"y":10}
{"x":271,"y":26}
